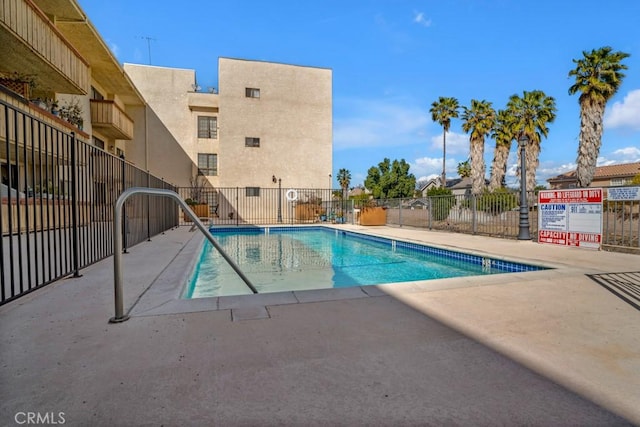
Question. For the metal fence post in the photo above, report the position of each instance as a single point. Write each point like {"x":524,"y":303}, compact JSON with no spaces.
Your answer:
{"x":124,"y":208}
{"x":430,"y":199}
{"x":400,"y":213}
{"x":164,"y":212}
{"x":148,"y":209}
{"x":474,"y":209}
{"x":74,"y":206}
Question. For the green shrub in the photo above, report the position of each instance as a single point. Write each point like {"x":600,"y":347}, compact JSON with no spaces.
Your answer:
{"x":442,"y":200}
{"x":498,"y":201}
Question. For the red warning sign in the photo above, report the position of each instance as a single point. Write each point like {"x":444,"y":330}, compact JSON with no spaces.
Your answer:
{"x":570,"y":217}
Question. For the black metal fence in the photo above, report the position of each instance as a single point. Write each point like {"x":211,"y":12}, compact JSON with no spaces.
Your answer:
{"x":496,"y":215}
{"x":491,"y":215}
{"x":58,"y":195}
{"x":621,"y":224}
{"x":239,"y":205}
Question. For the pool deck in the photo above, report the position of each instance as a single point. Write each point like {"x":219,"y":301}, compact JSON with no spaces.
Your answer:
{"x":550,"y":347}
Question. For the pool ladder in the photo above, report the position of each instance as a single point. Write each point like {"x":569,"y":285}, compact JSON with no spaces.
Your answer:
{"x":117,"y":243}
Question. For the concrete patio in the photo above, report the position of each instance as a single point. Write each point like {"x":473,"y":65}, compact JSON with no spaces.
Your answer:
{"x":543,"y":348}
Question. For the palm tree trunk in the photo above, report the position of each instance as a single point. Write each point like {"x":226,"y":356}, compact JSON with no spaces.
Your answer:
{"x":590,"y":141}
{"x":444,"y":157}
{"x":532,"y":156}
{"x":477,"y":165}
{"x":498,"y":168}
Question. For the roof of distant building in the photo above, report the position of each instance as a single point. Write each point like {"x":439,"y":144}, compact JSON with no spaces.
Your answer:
{"x":357,"y":191}
{"x":610,"y":171}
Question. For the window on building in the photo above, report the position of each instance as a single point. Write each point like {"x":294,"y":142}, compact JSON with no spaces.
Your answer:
{"x":207,"y":127}
{"x":617,"y":182}
{"x":252,"y":142}
{"x":96,"y":95}
{"x":98,"y":143}
{"x":253,"y":191}
{"x":207,"y":164}
{"x":10,"y":175}
{"x":251,"y":92}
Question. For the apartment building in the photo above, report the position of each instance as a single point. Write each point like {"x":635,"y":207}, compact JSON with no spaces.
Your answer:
{"x":266,"y":124}
{"x":61,"y":70}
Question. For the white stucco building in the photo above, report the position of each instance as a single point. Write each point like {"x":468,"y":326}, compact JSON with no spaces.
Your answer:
{"x":265,"y":120}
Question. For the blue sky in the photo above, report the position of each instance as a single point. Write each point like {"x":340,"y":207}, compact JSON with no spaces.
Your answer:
{"x":392,"y":59}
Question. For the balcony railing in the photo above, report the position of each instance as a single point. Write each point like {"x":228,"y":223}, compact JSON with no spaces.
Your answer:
{"x":36,"y":47}
{"x":111,"y":120}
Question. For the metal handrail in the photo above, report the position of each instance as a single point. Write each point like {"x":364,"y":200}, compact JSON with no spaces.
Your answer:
{"x":117,"y":244}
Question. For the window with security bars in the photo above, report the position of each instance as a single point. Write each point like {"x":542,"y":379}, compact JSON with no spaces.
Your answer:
{"x":207,"y":164}
{"x":252,"y":142}
{"x":252,"y":92}
{"x":252,"y":191}
{"x":207,"y":127}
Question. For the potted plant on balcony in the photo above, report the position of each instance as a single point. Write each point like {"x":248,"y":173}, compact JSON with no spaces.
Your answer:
{"x":72,"y":113}
{"x":52,"y":106}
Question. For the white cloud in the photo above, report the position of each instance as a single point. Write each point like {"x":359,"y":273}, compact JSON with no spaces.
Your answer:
{"x":625,"y":114}
{"x":621,"y":155}
{"x":425,"y":178}
{"x":628,"y":154}
{"x":378,"y":123}
{"x":545,"y":171}
{"x":429,"y":167}
{"x":419,"y":18}
{"x":457,"y":143}
{"x":428,"y":164}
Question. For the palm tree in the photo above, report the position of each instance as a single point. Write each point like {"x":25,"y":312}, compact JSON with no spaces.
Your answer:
{"x":464,"y":169}
{"x":598,"y":77}
{"x":344,"y":179}
{"x":442,"y":111}
{"x":504,"y":134}
{"x":531,"y":115}
{"x":479,"y":120}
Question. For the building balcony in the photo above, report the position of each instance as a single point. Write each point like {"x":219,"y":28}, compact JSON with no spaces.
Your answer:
{"x":31,"y":45}
{"x":206,"y":102}
{"x":111,"y":120}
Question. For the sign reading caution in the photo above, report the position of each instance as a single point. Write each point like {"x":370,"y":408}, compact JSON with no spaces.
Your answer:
{"x":570,"y":217}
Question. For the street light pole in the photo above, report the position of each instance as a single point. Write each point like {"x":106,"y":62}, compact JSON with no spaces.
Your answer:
{"x":523,"y":233}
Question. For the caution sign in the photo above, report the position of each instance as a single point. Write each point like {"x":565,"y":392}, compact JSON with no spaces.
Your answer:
{"x":570,"y":217}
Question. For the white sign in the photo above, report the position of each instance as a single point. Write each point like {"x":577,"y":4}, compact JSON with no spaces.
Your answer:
{"x":570,"y":217}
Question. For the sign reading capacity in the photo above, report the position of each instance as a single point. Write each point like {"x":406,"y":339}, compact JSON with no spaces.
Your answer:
{"x":570,"y":217}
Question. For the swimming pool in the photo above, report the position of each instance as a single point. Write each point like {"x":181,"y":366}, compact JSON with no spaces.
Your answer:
{"x":302,"y":258}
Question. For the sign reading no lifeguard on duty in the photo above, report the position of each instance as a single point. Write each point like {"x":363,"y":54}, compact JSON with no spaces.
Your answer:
{"x":570,"y":217}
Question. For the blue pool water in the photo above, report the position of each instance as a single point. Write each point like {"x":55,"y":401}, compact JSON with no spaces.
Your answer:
{"x":301,"y":258}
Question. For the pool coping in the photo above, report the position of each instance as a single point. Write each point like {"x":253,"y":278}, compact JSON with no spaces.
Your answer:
{"x":164,"y":295}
